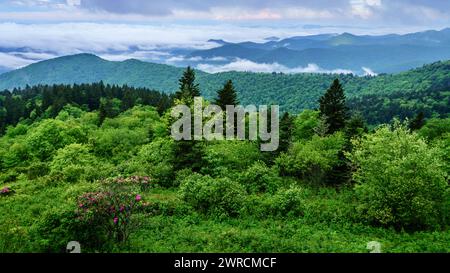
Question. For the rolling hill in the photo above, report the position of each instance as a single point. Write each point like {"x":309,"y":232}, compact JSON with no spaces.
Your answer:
{"x":293,"y":92}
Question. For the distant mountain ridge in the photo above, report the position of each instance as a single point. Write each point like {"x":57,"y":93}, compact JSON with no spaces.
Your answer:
{"x":293,"y":92}
{"x":390,"y":53}
{"x":384,"y":54}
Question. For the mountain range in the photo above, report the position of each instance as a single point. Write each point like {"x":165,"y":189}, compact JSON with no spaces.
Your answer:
{"x":293,"y":92}
{"x":345,"y":52}
{"x":382,"y":54}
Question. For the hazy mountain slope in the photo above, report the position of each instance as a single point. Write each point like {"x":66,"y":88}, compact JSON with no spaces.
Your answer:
{"x":230,"y":50}
{"x":88,"y":68}
{"x":383,"y":54}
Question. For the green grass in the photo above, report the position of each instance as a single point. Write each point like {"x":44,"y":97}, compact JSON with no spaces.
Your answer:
{"x":172,"y":226}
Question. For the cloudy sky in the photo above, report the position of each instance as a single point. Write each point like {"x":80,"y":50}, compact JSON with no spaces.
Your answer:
{"x":42,"y":29}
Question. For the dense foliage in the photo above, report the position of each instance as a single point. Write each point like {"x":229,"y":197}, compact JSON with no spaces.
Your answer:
{"x":389,"y":95}
{"x":45,"y":101}
{"x":401,"y":180}
{"x":63,"y":173}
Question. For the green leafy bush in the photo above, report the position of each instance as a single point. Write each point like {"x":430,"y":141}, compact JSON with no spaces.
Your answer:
{"x":37,"y":169}
{"x":311,"y":160}
{"x":156,"y":159}
{"x":259,"y":179}
{"x":117,"y":144}
{"x":73,"y":163}
{"x":401,"y":180}
{"x":435,"y":128}
{"x":230,"y":155}
{"x":443,"y":145}
{"x":218,"y":196}
{"x":51,"y":135}
{"x":305,"y":124}
{"x":288,"y":202}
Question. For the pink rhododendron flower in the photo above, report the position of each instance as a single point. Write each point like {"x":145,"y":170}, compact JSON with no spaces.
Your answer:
{"x":138,"y":197}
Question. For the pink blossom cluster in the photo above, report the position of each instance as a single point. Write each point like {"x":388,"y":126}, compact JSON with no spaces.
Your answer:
{"x":117,"y":207}
{"x":6,"y":191}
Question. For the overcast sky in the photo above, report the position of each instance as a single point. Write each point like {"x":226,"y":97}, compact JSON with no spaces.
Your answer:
{"x":396,"y":13}
{"x":59,"y":27}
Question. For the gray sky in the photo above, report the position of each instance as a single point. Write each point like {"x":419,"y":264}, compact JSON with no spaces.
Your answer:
{"x":395,"y":13}
{"x":52,"y":28}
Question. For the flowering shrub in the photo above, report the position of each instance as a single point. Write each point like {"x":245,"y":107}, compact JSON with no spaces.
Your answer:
{"x":6,"y":191}
{"x":111,"y":209}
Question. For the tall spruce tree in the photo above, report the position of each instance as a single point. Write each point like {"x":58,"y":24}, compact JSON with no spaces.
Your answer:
{"x":286,"y":132}
{"x":333,"y":107}
{"x":355,"y":127}
{"x":227,"y":96}
{"x":189,"y":152}
{"x":188,"y":88}
{"x":341,"y":172}
{"x":418,"y":122}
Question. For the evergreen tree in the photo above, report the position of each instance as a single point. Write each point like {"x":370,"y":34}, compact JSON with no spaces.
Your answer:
{"x":286,"y":131}
{"x":356,"y":126}
{"x":341,"y":172}
{"x":418,"y":122}
{"x":189,"y":152}
{"x":333,"y":107}
{"x":105,"y":110}
{"x":227,"y":96}
{"x":188,"y":88}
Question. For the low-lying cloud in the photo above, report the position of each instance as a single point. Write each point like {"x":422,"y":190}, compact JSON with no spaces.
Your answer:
{"x":184,"y":59}
{"x":369,"y":72}
{"x":244,"y":65}
{"x":11,"y":61}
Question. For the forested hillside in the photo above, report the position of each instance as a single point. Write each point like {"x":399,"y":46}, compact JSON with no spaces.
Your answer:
{"x":43,"y":101}
{"x":293,"y":92}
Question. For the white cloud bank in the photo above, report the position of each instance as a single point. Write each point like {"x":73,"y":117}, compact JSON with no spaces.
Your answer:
{"x":69,"y":38}
{"x":13,"y":62}
{"x":246,"y":65}
{"x":369,"y":72}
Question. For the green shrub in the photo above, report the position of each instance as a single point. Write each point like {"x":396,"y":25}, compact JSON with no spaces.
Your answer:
{"x":117,"y":144}
{"x":73,"y":163}
{"x":288,"y":202}
{"x":401,"y":180}
{"x":230,"y":155}
{"x":446,"y":206}
{"x":37,"y":169}
{"x":156,"y":159}
{"x":443,"y":145}
{"x":435,"y":128}
{"x":9,"y":176}
{"x":182,"y":175}
{"x":15,"y":155}
{"x":332,"y":206}
{"x":18,"y":130}
{"x":311,"y":160}
{"x":218,"y":196}
{"x":51,"y":135}
{"x":55,"y":228}
{"x":285,"y":203}
{"x":259,"y":179}
{"x":305,"y":124}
